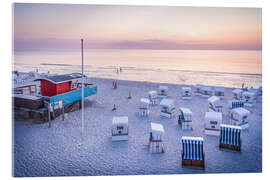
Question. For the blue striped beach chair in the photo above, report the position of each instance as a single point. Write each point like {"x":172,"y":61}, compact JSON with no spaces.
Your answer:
{"x":192,"y":151}
{"x":230,"y":137}
{"x":236,"y":104}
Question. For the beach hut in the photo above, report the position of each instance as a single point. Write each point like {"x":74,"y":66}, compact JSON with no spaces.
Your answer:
{"x":54,"y":85}
{"x":32,"y":74}
{"x":185,"y":118}
{"x":219,"y":92}
{"x":236,"y":104}
{"x":249,"y":98}
{"x":237,"y":94}
{"x":230,"y":137}
{"x":197,"y":91}
{"x":239,"y":117}
{"x":163,"y":91}
{"x":206,"y":91}
{"x":212,"y":123}
{"x":153,"y":97}
{"x":215,"y":104}
{"x":120,"y":128}
{"x":186,"y":93}
{"x":254,"y":90}
{"x":192,"y":151}
{"x":167,"y":108}
{"x":144,"y":107}
{"x":156,"y":138}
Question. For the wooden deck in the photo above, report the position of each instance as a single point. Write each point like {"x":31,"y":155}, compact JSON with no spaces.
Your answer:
{"x":27,"y":101}
{"x":40,"y":115}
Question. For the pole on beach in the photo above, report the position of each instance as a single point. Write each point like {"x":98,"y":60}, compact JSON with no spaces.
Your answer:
{"x":49,"y":114}
{"x":82,"y":88}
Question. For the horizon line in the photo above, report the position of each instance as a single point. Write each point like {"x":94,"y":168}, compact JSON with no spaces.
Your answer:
{"x":151,"y":49}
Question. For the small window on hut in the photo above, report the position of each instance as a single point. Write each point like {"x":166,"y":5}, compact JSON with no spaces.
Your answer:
{"x":213,"y":122}
{"x":120,"y":127}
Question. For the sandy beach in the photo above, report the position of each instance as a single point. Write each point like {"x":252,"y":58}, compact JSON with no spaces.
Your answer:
{"x":64,"y":150}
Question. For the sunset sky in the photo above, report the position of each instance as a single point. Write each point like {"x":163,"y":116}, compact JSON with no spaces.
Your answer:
{"x":61,"y":26}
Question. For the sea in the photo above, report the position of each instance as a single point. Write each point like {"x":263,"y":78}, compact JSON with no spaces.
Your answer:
{"x":229,"y":68}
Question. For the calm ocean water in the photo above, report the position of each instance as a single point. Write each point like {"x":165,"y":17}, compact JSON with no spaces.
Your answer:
{"x":212,"y":67}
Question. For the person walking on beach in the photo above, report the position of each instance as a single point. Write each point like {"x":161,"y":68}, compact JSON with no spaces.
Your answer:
{"x":114,"y":84}
{"x":114,"y":107}
{"x":129,"y":95}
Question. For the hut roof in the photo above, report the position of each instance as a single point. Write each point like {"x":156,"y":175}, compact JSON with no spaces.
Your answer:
{"x":158,"y":128}
{"x":219,"y":88}
{"x":213,"y":116}
{"x":163,"y":87}
{"x":152,"y":93}
{"x":192,"y":138}
{"x":206,"y":88}
{"x":249,"y":94}
{"x":230,"y":126}
{"x":185,"y":110}
{"x":120,"y":120}
{"x":241,"y":111}
{"x":61,"y":78}
{"x":167,"y":102}
{"x":199,"y":86}
{"x":253,"y":90}
{"x":213,"y":99}
{"x":237,"y":91}
{"x":186,"y":88}
{"x":145,"y":101}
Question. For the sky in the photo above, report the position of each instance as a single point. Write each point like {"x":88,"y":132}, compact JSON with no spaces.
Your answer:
{"x":61,"y":26}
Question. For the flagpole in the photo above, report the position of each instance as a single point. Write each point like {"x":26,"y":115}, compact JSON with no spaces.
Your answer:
{"x":82,"y":88}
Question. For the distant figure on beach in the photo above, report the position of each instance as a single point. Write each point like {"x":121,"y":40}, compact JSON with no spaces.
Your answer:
{"x":114,"y":85}
{"x":129,"y":95}
{"x":120,"y":69}
{"x":114,"y":107}
{"x":243,"y":85}
{"x":117,"y":71}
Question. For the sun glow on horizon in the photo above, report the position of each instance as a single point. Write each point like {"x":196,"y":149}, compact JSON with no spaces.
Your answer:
{"x":136,"y":27}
